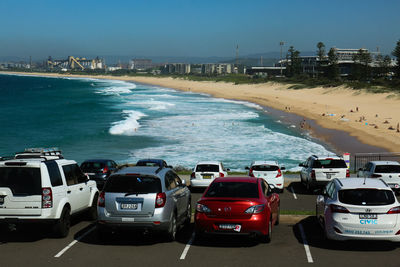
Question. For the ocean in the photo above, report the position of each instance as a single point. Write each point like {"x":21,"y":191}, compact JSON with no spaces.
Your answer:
{"x":93,"y":118}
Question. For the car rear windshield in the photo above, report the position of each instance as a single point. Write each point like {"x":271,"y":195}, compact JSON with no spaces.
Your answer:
{"x":387,"y":169}
{"x":148,"y":164}
{"x":207,"y":168}
{"x":369,"y":197}
{"x":233,"y":189}
{"x":133,"y":184}
{"x":265,"y":168}
{"x":329,"y":163}
{"x":21,"y":181}
{"x":92,"y":165}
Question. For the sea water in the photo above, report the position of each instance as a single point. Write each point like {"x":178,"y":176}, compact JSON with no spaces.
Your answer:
{"x":124,"y":121}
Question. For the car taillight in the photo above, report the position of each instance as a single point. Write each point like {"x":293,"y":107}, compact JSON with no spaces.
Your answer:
{"x":394,"y":210}
{"x":279,"y":173}
{"x":221,"y":174}
{"x":193,"y":175}
{"x":338,"y":209}
{"x":398,"y":232}
{"x":255,"y":209}
{"x":161,"y":198}
{"x":47,"y":198}
{"x":251,"y":173}
{"x":202,"y":208}
{"x":313,"y":174}
{"x":347,"y":173}
{"x":102,"y":201}
{"x":105,"y":169}
{"x":374,"y":175}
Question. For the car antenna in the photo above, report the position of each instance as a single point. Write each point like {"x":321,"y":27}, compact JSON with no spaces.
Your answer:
{"x":365,"y":178}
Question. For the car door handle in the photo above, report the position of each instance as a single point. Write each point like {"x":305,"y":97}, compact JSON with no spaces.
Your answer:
{"x":69,"y":192}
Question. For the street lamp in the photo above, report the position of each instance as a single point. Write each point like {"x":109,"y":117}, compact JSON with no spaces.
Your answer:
{"x":281,"y":45}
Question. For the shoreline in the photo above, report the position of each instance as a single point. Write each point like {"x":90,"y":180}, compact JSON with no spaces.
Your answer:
{"x":339,"y":128}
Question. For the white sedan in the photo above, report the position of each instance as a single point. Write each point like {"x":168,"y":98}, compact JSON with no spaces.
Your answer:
{"x":355,"y":208}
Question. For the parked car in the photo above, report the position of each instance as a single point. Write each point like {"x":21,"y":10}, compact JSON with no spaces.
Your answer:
{"x":99,"y":170}
{"x":356,"y":208}
{"x":144,"y":198}
{"x":45,"y":189}
{"x":153,"y":162}
{"x":317,"y":171}
{"x":238,"y":205}
{"x":388,"y":171}
{"x":205,"y":172}
{"x":269,"y":171}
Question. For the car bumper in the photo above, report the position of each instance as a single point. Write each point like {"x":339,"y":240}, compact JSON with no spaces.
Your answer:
{"x":278,"y":183}
{"x":200,"y":183}
{"x":256,"y":224}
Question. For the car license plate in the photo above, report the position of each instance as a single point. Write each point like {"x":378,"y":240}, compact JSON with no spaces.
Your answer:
{"x":368,"y":216}
{"x":1,"y":200}
{"x":206,"y":176}
{"x":129,"y":206}
{"x":234,"y":227}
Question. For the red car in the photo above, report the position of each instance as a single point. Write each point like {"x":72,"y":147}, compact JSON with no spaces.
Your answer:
{"x":238,"y":205}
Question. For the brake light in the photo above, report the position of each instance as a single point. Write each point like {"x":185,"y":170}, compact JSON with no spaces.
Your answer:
{"x":394,"y":210}
{"x":374,"y":175}
{"x":398,"y":232}
{"x":279,"y":173}
{"x":193,"y":175}
{"x":202,"y":208}
{"x":161,"y":198}
{"x":105,"y":169}
{"x":313,"y":174}
{"x":102,"y":201}
{"x":347,"y":173}
{"x":47,"y":198}
{"x":338,"y":209}
{"x":255,"y":209}
{"x":221,"y":174}
{"x":251,"y":173}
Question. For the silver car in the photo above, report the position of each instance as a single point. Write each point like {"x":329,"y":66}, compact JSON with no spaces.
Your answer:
{"x":144,"y":198}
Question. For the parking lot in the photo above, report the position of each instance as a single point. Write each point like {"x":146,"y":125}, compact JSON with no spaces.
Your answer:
{"x":297,"y":241}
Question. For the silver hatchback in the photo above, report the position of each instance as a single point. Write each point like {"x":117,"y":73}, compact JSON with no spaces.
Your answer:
{"x":144,"y":198}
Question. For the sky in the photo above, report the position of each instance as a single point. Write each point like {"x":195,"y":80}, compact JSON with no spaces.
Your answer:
{"x":203,"y":28}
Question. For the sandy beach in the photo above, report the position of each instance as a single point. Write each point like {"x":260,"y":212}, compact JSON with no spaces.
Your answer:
{"x":371,"y":118}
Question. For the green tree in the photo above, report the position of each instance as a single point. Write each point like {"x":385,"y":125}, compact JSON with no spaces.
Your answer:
{"x":396,"y":53}
{"x":321,"y":56}
{"x":382,"y":67}
{"x":362,"y":69}
{"x":333,"y":68}
{"x":294,"y":64}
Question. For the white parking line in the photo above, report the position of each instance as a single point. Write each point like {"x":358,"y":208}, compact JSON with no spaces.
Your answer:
{"x":185,"y":251}
{"x":294,"y":195}
{"x":306,"y":247}
{"x":59,"y":254}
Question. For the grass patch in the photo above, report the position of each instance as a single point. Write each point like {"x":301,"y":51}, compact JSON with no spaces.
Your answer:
{"x":297,"y":212}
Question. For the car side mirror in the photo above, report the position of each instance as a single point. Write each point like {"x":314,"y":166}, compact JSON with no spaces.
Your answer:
{"x":169,"y":166}
{"x":283,"y":168}
{"x":301,"y":165}
{"x":228,"y":170}
{"x":246,"y":168}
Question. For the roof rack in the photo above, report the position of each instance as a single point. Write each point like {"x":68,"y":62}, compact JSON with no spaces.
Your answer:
{"x":46,"y":153}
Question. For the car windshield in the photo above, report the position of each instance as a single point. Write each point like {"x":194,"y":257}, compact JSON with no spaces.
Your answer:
{"x":329,"y":163}
{"x":387,"y":169}
{"x":21,"y":181}
{"x":92,"y":165}
{"x":133,"y":184}
{"x":233,"y":190}
{"x":369,"y":197}
{"x":265,"y":168}
{"x":207,"y":168}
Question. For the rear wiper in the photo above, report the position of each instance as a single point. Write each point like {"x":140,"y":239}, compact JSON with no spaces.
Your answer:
{"x":134,"y":193}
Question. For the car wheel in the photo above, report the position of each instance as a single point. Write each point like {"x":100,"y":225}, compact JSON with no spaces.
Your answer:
{"x":188,"y":214}
{"x":267,"y":238}
{"x":171,"y":235}
{"x":61,"y":228}
{"x":278,"y":215}
{"x":92,"y":212}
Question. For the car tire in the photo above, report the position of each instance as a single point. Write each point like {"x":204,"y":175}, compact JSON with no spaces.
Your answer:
{"x":267,"y":238}
{"x":172,"y":229}
{"x":92,"y":211}
{"x":62,"y":226}
{"x":278,"y":215}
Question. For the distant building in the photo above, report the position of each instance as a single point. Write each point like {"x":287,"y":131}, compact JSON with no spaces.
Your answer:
{"x":75,"y":63}
{"x":217,"y":68}
{"x":176,"y":68}
{"x":140,"y":64}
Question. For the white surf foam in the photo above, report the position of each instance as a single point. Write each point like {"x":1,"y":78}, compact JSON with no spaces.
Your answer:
{"x":129,"y":126}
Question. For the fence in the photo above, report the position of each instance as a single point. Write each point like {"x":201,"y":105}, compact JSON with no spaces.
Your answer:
{"x":360,"y":159}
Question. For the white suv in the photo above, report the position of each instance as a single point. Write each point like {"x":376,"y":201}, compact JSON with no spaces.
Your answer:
{"x":41,"y":187}
{"x":318,"y":171}
{"x":205,"y":172}
{"x":388,"y":171}
{"x":269,"y":171}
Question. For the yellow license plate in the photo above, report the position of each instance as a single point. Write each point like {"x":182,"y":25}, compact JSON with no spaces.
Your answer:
{"x":206,"y":176}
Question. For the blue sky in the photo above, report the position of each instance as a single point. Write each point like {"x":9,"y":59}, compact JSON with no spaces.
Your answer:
{"x":193,"y":28}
